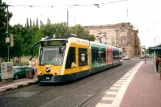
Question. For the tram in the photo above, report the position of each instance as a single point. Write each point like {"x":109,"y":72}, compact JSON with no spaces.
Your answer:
{"x":63,"y":60}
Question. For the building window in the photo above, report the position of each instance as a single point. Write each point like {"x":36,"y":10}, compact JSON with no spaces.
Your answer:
{"x":123,"y":41}
{"x":123,"y":33}
{"x":124,"y":49}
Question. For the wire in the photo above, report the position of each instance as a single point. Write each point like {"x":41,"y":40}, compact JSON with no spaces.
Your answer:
{"x":52,"y":6}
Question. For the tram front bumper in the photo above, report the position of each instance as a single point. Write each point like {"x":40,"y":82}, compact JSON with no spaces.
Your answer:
{"x":54,"y":78}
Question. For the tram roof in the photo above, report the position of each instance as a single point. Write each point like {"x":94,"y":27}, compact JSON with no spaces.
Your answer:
{"x":156,"y":49}
{"x":78,"y":40}
{"x":97,"y":44}
{"x":50,"y":39}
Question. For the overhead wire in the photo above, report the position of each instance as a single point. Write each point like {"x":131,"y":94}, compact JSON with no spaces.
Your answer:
{"x":52,"y":6}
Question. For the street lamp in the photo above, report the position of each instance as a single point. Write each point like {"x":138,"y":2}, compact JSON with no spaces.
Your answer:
{"x":7,"y":31}
{"x":68,"y":17}
{"x":97,"y":5}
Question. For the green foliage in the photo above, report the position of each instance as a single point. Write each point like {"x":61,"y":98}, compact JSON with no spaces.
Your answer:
{"x":27,"y":23}
{"x":60,"y":29}
{"x":81,"y":32}
{"x":34,"y":34}
{"x":25,"y":37}
{"x":31,"y":33}
{"x":3,"y":28}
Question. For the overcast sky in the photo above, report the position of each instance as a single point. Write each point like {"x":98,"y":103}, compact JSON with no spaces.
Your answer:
{"x":143,"y":14}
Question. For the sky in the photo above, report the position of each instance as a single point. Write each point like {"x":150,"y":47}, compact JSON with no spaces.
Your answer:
{"x":142,"y":14}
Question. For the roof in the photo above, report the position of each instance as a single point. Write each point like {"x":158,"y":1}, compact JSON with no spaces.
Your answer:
{"x":157,"y":49}
{"x":96,"y":44}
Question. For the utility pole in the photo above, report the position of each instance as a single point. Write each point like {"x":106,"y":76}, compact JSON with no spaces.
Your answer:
{"x":7,"y":34}
{"x":67,"y":22}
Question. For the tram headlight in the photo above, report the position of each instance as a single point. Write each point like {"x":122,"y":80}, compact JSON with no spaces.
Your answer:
{"x":39,"y":73}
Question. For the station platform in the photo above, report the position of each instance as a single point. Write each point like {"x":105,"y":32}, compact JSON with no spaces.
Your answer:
{"x":5,"y":86}
{"x":140,"y":87}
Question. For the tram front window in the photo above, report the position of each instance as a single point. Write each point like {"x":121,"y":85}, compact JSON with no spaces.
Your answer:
{"x":51,"y":56}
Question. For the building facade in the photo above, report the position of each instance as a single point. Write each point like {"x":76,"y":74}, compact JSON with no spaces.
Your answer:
{"x":120,"y":35}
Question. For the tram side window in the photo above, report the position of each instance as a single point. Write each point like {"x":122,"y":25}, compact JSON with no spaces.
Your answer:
{"x":120,"y":55}
{"x":103,"y":56}
{"x":115,"y":55}
{"x":94,"y":56}
{"x":83,"y":59}
{"x":71,"y":57}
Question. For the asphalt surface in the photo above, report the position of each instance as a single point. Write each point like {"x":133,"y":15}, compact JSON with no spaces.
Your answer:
{"x":82,"y":93}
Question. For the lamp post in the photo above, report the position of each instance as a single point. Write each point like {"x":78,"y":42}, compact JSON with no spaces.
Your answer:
{"x":7,"y":31}
{"x":68,"y":32}
{"x":68,"y":18}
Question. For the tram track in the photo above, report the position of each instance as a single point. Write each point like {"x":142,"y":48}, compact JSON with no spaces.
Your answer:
{"x":85,"y":85}
{"x":69,"y":92}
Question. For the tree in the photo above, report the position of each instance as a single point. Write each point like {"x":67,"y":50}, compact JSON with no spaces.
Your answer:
{"x":37,"y":22}
{"x":48,"y":30}
{"x":3,"y":28}
{"x":27,"y":23}
{"x":18,"y":31}
{"x":41,"y":23}
{"x":29,"y":37}
{"x":30,"y":22}
{"x":81,"y":32}
{"x":33,"y":23}
{"x":60,"y":29}
{"x":48,"y":21}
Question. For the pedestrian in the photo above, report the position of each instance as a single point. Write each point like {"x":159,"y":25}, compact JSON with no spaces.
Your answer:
{"x":159,"y":65}
{"x":31,"y":65}
{"x":157,"y":62}
{"x":33,"y":68}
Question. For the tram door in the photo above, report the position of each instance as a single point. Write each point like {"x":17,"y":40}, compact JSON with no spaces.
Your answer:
{"x":83,"y":60}
{"x":109,"y":57}
{"x":71,"y":62}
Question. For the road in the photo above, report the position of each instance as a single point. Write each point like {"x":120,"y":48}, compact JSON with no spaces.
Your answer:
{"x":82,"y":93}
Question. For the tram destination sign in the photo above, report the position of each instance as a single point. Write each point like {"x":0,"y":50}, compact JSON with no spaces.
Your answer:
{"x":53,"y":43}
